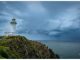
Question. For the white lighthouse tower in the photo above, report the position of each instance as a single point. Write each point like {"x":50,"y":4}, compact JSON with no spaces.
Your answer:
{"x":13,"y":24}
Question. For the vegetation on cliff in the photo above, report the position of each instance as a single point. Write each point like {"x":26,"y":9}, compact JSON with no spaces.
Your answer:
{"x":20,"y":47}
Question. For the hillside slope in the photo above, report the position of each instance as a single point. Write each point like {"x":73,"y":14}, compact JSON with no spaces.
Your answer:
{"x":20,"y":47}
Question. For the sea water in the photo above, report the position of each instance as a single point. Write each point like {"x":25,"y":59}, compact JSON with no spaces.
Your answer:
{"x":66,"y":50}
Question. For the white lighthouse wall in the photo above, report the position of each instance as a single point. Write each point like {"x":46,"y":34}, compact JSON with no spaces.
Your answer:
{"x":10,"y":30}
{"x":13,"y":29}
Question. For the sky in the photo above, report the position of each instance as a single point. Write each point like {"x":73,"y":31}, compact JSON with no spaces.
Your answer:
{"x":37,"y":20}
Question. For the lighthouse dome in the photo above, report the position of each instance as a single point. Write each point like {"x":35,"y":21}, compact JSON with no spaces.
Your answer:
{"x":13,"y":21}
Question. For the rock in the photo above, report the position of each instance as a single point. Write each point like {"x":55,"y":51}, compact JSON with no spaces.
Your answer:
{"x":21,"y":47}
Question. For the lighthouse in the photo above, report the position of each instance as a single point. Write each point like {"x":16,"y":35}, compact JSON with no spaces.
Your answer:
{"x":13,"y":25}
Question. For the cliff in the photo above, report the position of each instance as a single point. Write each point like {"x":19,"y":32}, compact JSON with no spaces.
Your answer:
{"x":19,"y":47}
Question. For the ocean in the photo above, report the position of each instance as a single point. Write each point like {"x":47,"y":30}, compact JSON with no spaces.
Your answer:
{"x":66,"y":50}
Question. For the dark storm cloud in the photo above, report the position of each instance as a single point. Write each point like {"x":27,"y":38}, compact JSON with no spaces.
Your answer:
{"x":49,"y":20}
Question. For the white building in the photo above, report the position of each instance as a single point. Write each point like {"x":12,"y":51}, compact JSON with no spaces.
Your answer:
{"x":13,"y":27}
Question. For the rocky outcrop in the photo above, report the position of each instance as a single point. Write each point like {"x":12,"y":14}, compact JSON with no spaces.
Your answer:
{"x":20,"y":47}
